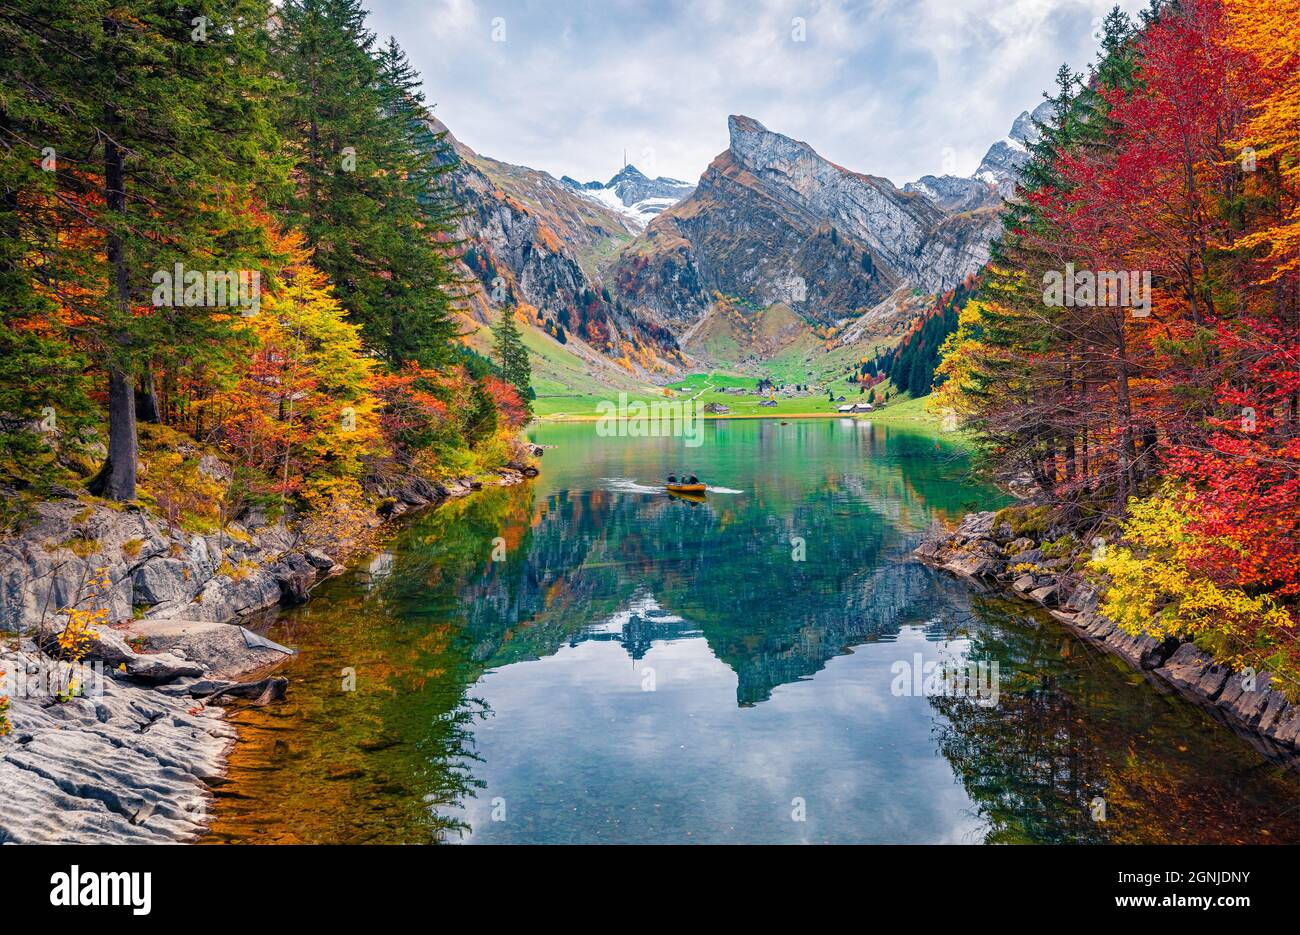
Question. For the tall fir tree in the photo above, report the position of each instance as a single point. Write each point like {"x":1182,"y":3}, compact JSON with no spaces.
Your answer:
{"x":371,"y":192}
{"x":512,"y":356}
{"x":152,"y":118}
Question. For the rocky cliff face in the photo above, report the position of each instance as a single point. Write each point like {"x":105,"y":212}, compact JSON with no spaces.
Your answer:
{"x":773,"y":221}
{"x":531,"y":239}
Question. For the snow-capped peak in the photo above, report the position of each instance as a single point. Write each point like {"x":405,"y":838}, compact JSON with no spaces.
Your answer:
{"x":631,"y":193}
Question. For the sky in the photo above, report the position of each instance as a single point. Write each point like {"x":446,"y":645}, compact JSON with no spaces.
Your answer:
{"x":899,"y":88}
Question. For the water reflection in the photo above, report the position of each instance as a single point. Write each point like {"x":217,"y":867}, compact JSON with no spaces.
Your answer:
{"x":638,"y":668}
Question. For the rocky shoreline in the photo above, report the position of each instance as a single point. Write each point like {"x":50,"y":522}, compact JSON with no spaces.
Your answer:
{"x":991,"y":555}
{"x":126,"y":747}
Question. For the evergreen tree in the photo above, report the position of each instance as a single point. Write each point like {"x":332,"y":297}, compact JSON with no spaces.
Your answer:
{"x":154,"y":119}
{"x":511,"y":355}
{"x":371,"y":194}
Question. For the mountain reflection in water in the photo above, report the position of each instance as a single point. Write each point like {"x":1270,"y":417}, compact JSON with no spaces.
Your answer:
{"x":640,"y":668}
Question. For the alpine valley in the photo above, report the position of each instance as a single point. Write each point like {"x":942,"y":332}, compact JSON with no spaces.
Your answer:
{"x":776,"y":263}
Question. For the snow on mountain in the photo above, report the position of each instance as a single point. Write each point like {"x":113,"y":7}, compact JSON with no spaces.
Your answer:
{"x":633,"y":194}
{"x":996,"y":176}
{"x":1001,"y":164}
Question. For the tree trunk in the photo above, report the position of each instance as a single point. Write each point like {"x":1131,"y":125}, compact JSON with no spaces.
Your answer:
{"x":123,"y":449}
{"x":146,"y":399}
{"x":118,"y":473}
{"x":1125,"y":484}
{"x":1069,"y":429}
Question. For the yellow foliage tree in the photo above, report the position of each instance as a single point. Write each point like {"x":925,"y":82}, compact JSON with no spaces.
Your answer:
{"x":1266,"y":30}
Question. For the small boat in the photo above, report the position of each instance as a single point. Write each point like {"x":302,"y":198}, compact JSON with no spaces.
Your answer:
{"x":687,"y":488}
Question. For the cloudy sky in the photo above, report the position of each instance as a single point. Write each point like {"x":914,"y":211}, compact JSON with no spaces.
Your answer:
{"x":899,"y":88}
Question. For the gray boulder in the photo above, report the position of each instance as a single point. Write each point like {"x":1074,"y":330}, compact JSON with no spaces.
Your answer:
{"x":165,"y":579}
{"x":221,"y":650}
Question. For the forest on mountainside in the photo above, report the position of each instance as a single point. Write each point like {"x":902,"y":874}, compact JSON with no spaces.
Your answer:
{"x":1162,"y":429}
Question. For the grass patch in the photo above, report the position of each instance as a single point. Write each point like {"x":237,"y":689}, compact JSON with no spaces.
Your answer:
{"x":82,"y":546}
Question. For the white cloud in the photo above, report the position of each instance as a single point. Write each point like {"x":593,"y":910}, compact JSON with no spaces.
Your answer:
{"x":880,"y":86}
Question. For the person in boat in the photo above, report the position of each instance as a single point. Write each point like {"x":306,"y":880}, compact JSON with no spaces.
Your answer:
{"x":693,"y":480}
{"x":672,"y":478}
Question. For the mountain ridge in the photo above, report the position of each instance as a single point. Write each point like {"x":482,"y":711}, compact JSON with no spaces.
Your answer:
{"x":847,"y":256}
{"x":771,"y":220}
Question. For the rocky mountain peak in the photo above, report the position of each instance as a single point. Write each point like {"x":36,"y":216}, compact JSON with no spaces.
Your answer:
{"x":771,"y":221}
{"x":1001,"y":164}
{"x":632,"y":193}
{"x":996,"y":176}
{"x":758,"y":148}
{"x":629,"y":173}
{"x":1025,"y":129}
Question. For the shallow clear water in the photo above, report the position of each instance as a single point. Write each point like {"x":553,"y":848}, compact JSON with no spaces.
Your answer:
{"x":642,"y":668}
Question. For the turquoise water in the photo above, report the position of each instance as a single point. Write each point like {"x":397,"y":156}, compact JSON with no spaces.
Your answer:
{"x":586,"y":659}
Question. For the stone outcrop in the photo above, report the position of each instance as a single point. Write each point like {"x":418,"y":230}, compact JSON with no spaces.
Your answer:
{"x":157,"y":572}
{"x":129,"y":756}
{"x":52,"y":564}
{"x":214,"y":650}
{"x":995,"y":557}
{"x":128,"y":765}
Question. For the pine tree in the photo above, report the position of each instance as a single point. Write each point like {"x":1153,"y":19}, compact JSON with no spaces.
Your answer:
{"x":511,"y":355}
{"x":371,"y":193}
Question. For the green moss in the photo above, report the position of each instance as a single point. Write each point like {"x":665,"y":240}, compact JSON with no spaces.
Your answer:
{"x":16,"y":512}
{"x":1028,"y":521}
{"x":1059,"y":548}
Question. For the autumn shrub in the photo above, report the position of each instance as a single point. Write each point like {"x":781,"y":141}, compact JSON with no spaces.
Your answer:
{"x":1152,"y":588}
{"x":184,"y":495}
{"x":300,"y":413}
{"x":413,"y":409}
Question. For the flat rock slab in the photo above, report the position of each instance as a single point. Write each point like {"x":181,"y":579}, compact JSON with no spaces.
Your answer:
{"x":128,"y":766}
{"x":222,"y":650}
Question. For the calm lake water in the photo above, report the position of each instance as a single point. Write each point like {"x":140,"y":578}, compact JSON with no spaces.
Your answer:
{"x":641,"y":668}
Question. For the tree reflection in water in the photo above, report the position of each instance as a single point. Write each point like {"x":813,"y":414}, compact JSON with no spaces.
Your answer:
{"x":1070,"y":728}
